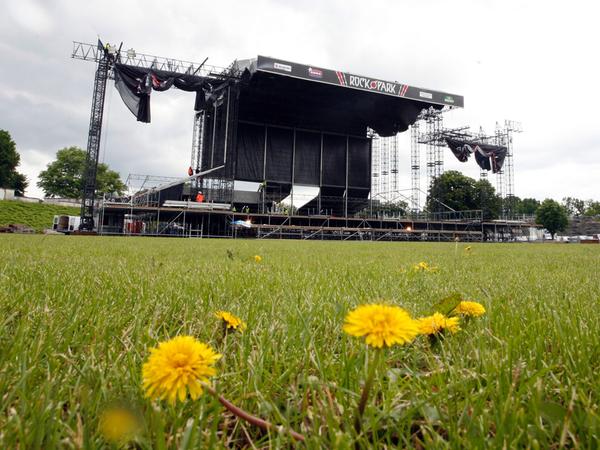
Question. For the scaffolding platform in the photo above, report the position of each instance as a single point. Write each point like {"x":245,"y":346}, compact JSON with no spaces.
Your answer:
{"x":206,"y":222}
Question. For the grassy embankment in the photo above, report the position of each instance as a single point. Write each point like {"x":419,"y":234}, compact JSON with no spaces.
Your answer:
{"x":35,"y":215}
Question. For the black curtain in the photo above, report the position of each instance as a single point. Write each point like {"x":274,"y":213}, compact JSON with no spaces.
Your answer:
{"x":359,"y":162}
{"x":280,"y":142}
{"x":250,"y":152}
{"x":334,"y":160}
{"x":308,"y":158}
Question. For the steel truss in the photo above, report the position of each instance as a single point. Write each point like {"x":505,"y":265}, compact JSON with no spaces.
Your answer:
{"x":93,"y":144}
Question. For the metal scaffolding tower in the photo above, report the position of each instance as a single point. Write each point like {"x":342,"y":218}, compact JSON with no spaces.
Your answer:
{"x":415,"y":167}
{"x":434,"y":145}
{"x":385,"y":166}
{"x":439,"y":146}
{"x":375,"y":165}
{"x":510,"y":127}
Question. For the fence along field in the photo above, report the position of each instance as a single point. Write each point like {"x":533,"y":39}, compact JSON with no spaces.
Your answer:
{"x":78,"y":317}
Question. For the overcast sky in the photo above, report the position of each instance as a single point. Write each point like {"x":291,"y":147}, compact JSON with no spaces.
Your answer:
{"x":533,"y":62}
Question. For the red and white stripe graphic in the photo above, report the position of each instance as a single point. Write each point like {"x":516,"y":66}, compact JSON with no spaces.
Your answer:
{"x":403,"y":90}
{"x":341,"y":78}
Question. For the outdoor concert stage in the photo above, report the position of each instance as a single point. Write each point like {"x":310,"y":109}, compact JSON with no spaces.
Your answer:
{"x":283,"y":150}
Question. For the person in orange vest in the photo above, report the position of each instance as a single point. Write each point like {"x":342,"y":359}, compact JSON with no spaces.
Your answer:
{"x":199,"y":197}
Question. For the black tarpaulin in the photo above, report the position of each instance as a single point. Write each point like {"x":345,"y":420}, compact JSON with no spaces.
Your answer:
{"x":136,"y":84}
{"x":487,"y":156}
{"x":134,"y":87}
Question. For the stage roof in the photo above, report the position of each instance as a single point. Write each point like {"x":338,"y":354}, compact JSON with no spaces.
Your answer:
{"x":279,"y":91}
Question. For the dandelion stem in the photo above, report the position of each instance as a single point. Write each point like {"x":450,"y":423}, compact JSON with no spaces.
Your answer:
{"x":362,"y":404}
{"x":257,"y":421}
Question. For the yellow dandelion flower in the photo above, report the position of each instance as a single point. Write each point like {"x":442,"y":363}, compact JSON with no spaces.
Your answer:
{"x":118,"y":425}
{"x":257,"y":258}
{"x":381,"y":325}
{"x":231,"y":321}
{"x":467,"y":308}
{"x":176,"y":366}
{"x":437,"y":323}
{"x":424,"y":267}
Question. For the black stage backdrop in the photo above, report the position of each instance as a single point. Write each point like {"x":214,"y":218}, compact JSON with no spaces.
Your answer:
{"x":334,"y":160}
{"x":280,"y":148}
{"x":308,"y":158}
{"x":301,"y":150}
{"x":250,"y":152}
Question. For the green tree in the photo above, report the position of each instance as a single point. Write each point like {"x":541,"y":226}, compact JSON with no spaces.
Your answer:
{"x":460,"y":193}
{"x":9,"y":161}
{"x":574,"y":206}
{"x":487,"y":200}
{"x":528,"y":206}
{"x":64,"y":176}
{"x":452,"y":189}
{"x":592,"y":208}
{"x":552,"y":216}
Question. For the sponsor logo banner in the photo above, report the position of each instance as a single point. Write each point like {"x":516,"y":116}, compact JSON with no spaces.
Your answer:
{"x":449,"y":99}
{"x":284,"y":67}
{"x":315,"y":73}
{"x":428,"y":95}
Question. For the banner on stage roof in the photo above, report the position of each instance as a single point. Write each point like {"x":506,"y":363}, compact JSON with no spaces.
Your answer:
{"x":349,"y":80}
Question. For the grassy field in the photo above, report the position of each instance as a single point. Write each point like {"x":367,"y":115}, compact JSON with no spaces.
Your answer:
{"x":78,"y":315}
{"x":35,"y":215}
